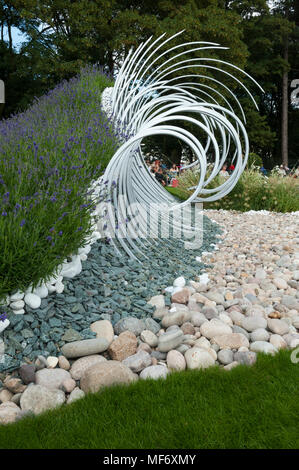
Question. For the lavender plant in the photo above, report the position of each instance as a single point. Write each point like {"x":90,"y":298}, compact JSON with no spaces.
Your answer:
{"x":49,"y":156}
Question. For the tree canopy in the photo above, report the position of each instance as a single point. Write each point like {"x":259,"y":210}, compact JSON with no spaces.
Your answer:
{"x":61,"y":37}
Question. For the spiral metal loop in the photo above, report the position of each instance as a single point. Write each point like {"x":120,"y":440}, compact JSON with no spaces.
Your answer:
{"x":149,"y":98}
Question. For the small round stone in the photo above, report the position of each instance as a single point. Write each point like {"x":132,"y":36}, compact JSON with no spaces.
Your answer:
{"x":175,"y":360}
{"x":225,"y":356}
{"x":63,"y":363}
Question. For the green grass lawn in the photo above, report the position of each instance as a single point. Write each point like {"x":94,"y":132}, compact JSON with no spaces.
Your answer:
{"x":246,"y":408}
{"x":177,"y":192}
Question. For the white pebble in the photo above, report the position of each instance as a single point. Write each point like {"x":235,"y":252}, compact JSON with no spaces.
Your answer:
{"x":179,"y":282}
{"x":41,"y":291}
{"x":59,"y":287}
{"x":32,"y":300}
{"x":19,"y":312}
{"x":51,"y":288}
{"x":52,"y":361}
{"x":17,"y":305}
{"x":204,"y":278}
{"x":4,"y":324}
{"x":17,"y":296}
{"x":72,"y":269}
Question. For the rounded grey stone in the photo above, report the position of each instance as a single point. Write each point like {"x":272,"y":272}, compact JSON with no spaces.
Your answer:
{"x":139,"y":361}
{"x":259,"y":335}
{"x":253,"y":323}
{"x":132,"y":324}
{"x":170,"y":340}
{"x":225,"y":356}
{"x":85,"y":347}
{"x":264,"y":347}
{"x":154,"y":372}
{"x":51,"y":378}
{"x":245,"y":357}
{"x":37,"y":399}
{"x":160,"y":356}
{"x":239,"y":329}
{"x":152,"y":325}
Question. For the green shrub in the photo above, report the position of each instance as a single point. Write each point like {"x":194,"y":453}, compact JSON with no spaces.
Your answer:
{"x":252,"y":192}
{"x":254,"y":160}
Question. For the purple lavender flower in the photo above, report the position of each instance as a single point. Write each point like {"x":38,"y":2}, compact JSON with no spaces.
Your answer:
{"x":3,"y":316}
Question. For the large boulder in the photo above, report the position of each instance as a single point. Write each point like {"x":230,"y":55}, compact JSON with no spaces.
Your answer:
{"x":103,"y":329}
{"x":52,"y":378}
{"x":279,"y":327}
{"x":38,"y":399}
{"x":106,"y":374}
{"x":198,"y":358}
{"x":81,"y":365}
{"x":214,"y":327}
{"x":123,"y":346}
{"x":9,"y":412}
{"x":230,"y":341}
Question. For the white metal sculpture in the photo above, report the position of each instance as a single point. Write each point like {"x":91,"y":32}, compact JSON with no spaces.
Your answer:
{"x":148,"y":96}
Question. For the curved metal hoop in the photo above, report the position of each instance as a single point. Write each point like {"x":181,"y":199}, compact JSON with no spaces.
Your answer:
{"x":149,"y":98}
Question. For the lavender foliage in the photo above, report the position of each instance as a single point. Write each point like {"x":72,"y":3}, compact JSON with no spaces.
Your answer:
{"x":49,"y":156}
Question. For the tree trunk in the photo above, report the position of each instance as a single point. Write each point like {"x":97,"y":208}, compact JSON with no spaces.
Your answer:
{"x":111,"y":62}
{"x":285,"y":101}
{"x":285,"y":105}
{"x":175,"y":155}
{"x":9,"y":36}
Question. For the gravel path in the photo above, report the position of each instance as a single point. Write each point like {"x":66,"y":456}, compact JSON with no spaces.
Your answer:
{"x":255,"y":241}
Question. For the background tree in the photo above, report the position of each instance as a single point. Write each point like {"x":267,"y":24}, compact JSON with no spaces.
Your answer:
{"x":61,"y":37}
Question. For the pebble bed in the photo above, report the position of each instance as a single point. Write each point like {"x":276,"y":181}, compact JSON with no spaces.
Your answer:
{"x":108,"y":287}
{"x":246,"y":301}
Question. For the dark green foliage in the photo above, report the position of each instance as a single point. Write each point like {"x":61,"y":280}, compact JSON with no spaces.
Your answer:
{"x":63,"y":36}
{"x":254,"y":160}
